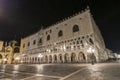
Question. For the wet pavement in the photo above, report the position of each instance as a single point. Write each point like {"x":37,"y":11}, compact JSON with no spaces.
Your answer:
{"x":99,"y":71}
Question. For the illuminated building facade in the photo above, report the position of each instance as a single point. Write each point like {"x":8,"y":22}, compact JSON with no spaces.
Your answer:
{"x":75,"y":39}
{"x":8,"y":52}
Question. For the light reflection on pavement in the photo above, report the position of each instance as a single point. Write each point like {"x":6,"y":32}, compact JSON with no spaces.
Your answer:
{"x":99,"y":71}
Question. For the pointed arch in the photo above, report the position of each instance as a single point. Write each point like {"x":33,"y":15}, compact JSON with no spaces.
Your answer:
{"x":55,"y":58}
{"x":32,"y":59}
{"x":46,"y":58}
{"x":89,"y":57}
{"x":50,"y":59}
{"x":40,"y":41}
{"x":38,"y":59}
{"x":35,"y":59}
{"x":0,"y":56}
{"x":60,"y":33}
{"x":75,"y":28}
{"x":60,"y":57}
{"x":66,"y":57}
{"x":73,"y":57}
{"x":91,"y":41}
{"x":48,"y":37}
{"x":81,"y":57}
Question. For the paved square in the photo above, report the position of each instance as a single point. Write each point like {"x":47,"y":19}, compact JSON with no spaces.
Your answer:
{"x":41,"y":78}
{"x":99,"y":71}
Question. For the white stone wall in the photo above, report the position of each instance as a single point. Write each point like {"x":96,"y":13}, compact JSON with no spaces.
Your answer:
{"x":28,"y":39}
{"x":78,"y":42}
{"x":81,"y":20}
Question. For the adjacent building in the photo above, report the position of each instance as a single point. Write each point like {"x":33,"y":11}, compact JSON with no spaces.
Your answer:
{"x":75,"y":39}
{"x":8,"y":52}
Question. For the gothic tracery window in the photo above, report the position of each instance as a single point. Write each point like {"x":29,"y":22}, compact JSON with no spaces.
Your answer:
{"x":75,"y":28}
{"x":60,"y":33}
{"x":28,"y":44}
{"x":91,"y":41}
{"x":34,"y":42}
{"x":48,"y":37}
{"x":40,"y":40}
{"x":23,"y":45}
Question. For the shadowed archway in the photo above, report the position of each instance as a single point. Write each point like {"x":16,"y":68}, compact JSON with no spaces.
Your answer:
{"x":55,"y":58}
{"x":66,"y":58}
{"x":50,"y":59}
{"x":73,"y":57}
{"x":60,"y":57}
{"x":0,"y":56}
{"x":46,"y":59}
{"x":81,"y":57}
{"x":91,"y":57}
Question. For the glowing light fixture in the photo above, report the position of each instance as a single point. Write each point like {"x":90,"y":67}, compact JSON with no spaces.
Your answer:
{"x":40,"y":55}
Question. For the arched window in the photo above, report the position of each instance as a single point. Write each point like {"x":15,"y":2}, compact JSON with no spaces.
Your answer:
{"x":60,"y":33}
{"x":34,"y":42}
{"x":48,"y":37}
{"x":91,"y":41}
{"x":81,"y":42}
{"x":77,"y":42}
{"x":24,"y":45}
{"x":75,"y":28}
{"x":16,"y":50}
{"x":40,"y":40}
{"x":0,"y":56}
{"x":28,"y":43}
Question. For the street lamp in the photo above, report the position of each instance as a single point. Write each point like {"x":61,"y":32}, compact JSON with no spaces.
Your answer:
{"x":91,"y":51}
{"x":40,"y":55}
{"x":5,"y":59}
{"x":17,"y":59}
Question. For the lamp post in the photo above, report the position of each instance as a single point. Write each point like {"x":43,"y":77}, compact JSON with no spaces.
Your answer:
{"x":91,"y":51}
{"x":17,"y":60}
{"x":5,"y":59}
{"x":13,"y":46}
{"x":6,"y":55}
{"x":40,"y":56}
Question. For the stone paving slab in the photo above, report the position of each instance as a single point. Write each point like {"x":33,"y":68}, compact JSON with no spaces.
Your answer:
{"x":2,"y":75}
{"x":41,"y":78}
{"x":6,"y":79}
{"x":98,"y":72}
{"x":101,"y":71}
{"x":16,"y":76}
{"x":59,"y":70}
{"x":45,"y":69}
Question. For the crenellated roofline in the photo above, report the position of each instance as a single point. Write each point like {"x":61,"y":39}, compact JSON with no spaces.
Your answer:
{"x":61,"y":21}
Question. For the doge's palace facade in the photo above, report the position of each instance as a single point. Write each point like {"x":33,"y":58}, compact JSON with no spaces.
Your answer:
{"x":75,"y":39}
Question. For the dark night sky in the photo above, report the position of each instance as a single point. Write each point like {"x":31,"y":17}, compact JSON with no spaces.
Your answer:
{"x":21,"y":18}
